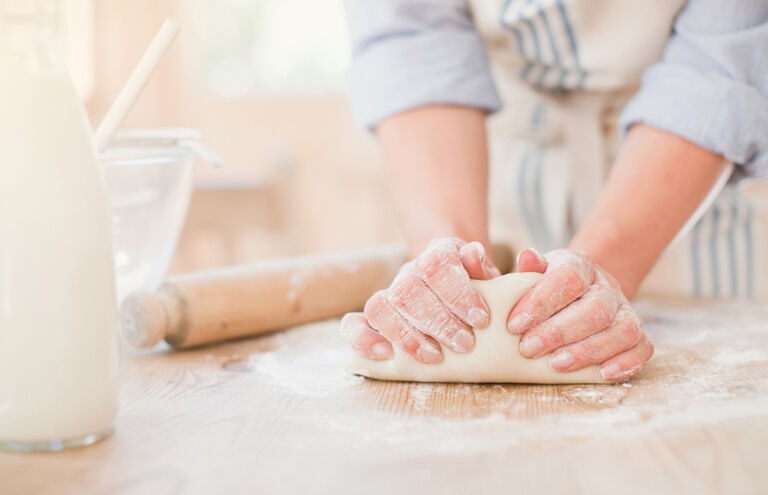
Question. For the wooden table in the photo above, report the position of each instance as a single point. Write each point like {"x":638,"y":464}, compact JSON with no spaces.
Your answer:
{"x":278,"y":415}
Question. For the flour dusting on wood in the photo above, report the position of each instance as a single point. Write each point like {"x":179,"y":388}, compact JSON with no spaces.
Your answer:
{"x":709,"y":367}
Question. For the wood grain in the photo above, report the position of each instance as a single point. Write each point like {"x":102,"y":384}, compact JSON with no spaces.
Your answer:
{"x":277,"y":414}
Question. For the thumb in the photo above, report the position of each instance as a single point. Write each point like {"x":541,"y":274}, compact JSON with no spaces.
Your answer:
{"x":477,"y":263}
{"x":529,"y":260}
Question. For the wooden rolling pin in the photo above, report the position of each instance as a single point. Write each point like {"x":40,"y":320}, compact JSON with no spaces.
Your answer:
{"x":211,"y":306}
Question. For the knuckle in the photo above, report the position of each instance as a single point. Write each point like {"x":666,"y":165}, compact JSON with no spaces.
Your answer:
{"x":461,"y":299}
{"x":585,"y":260}
{"x":573,"y":281}
{"x":582,"y":261}
{"x":557,"y":256}
{"x":445,"y":335}
{"x":452,"y":243}
{"x":610,"y":281}
{"x":581,"y":255}
{"x":402,"y":333}
{"x":452,"y":326}
{"x":436,"y":258}
{"x":379,"y":296}
{"x":430,"y":263}
{"x":540,"y":305}
{"x":594,"y":356}
{"x":402,"y":290}
{"x":346,"y":328}
{"x":406,"y":270}
{"x":375,"y":305}
{"x":630,"y":333}
{"x":582,"y":353}
{"x":587,"y":353}
{"x":552,"y":336}
{"x":602,"y":312}
{"x":350,"y":321}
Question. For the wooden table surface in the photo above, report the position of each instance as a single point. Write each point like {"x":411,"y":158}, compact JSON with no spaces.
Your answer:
{"x":277,"y":414}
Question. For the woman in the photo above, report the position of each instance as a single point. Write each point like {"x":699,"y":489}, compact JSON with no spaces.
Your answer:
{"x":567,"y":72}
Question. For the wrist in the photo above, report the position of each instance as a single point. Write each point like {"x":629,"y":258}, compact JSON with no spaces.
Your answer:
{"x":423,"y":229}
{"x":610,"y":256}
{"x":437,"y":161}
{"x":656,"y":184}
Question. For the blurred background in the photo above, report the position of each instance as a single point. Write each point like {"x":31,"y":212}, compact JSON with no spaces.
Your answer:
{"x":264,"y":81}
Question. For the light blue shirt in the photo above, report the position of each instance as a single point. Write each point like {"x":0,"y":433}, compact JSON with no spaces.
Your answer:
{"x":711,"y":86}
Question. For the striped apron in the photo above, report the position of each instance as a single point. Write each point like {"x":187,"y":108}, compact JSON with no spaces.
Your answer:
{"x":563,"y":70}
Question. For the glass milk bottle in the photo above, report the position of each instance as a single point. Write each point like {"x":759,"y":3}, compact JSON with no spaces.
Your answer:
{"x":58,"y":315}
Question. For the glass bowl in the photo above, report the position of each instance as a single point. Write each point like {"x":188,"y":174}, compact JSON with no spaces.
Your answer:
{"x":149,"y":176}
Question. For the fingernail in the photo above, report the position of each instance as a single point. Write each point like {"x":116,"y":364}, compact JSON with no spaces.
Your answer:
{"x":531,"y":346}
{"x":381,"y":351}
{"x":534,"y":251}
{"x":480,"y":249}
{"x":463,"y":341}
{"x":519,"y":323}
{"x":611,"y":371}
{"x":561,"y":360}
{"x":478,"y":318}
{"x":429,"y":353}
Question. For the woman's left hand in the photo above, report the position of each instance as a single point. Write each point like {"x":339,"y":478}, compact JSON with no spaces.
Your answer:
{"x":578,"y":313}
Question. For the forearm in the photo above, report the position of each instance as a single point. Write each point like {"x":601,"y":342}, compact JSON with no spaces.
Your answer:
{"x":657,"y":183}
{"x":437,"y":159}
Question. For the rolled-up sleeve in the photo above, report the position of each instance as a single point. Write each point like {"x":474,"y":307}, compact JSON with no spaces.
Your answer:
{"x":412,"y":53}
{"x":711,"y":86}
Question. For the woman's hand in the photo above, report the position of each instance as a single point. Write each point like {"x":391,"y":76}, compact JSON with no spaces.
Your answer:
{"x":578,"y":312}
{"x":430,"y":302}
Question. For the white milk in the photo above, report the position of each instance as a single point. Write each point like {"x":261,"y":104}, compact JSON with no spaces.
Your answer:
{"x":58,"y":316}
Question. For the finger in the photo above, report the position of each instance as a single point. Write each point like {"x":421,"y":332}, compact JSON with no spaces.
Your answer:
{"x":582,"y":318}
{"x":384,"y":318}
{"x":567,"y":278}
{"x":364,"y":339}
{"x":628,"y":363}
{"x":529,"y":260}
{"x":623,"y":334}
{"x":477,"y":263}
{"x":441,"y":268}
{"x":412,"y":298}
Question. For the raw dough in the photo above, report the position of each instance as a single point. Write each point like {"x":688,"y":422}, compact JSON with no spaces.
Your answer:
{"x":495,"y":358}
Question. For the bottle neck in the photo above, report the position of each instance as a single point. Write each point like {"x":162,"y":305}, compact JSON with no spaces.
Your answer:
{"x":32,"y":37}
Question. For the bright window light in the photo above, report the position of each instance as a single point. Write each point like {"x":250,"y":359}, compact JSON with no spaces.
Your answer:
{"x":257,"y":46}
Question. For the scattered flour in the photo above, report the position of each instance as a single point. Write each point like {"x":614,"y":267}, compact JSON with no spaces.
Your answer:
{"x":686,"y":386}
{"x":731,"y":357}
{"x":305,"y":361}
{"x":419,"y":395}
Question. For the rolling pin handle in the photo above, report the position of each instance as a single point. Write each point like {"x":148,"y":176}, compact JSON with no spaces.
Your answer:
{"x":143,"y":319}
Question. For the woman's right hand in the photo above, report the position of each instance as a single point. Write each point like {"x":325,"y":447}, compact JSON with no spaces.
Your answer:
{"x":430,"y":302}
